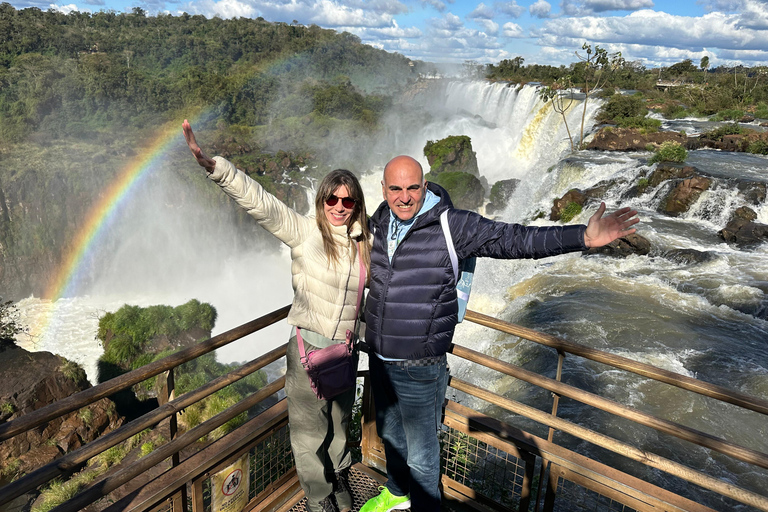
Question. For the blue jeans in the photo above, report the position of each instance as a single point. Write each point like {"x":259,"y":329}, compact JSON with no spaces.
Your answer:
{"x":409,"y":406}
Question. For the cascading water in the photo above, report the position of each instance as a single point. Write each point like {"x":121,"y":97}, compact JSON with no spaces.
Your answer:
{"x":704,"y":318}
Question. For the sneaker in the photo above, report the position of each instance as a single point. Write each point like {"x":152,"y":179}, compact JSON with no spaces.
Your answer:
{"x":386,"y":501}
{"x":342,"y":492}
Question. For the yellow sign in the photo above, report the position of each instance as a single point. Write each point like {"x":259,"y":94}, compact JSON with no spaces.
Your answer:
{"x":229,"y":487}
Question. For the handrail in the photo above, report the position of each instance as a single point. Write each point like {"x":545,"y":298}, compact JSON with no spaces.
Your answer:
{"x":650,"y":459}
{"x":105,"y":389}
{"x":71,"y":461}
{"x":111,"y":482}
{"x":668,"y":427}
{"x":675,"y":379}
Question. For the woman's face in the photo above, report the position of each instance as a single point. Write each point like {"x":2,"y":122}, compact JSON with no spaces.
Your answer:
{"x":338,"y":214}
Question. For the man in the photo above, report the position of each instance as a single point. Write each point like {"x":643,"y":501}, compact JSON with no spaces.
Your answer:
{"x":411,"y":314}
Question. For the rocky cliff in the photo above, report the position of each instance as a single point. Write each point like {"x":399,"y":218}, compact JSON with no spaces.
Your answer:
{"x":31,"y":380}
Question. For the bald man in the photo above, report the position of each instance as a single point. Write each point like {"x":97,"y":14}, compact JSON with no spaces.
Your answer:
{"x":412,"y":311}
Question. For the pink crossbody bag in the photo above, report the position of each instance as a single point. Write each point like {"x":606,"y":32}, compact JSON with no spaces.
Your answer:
{"x":333,"y":370}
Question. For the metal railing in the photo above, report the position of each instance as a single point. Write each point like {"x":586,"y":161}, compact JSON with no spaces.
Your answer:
{"x":486,"y":463}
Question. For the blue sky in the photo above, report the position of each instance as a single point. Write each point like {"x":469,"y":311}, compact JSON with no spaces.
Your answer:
{"x":651,"y":32}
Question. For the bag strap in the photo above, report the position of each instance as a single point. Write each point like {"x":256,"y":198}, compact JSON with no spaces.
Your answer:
{"x":449,"y":243}
{"x":360,"y":288}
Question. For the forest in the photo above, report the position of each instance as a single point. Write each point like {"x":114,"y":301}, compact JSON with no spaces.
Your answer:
{"x":81,"y":74}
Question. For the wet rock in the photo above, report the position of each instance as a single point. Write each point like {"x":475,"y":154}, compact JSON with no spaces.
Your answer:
{"x":669,"y":171}
{"x":465,"y":190}
{"x":742,"y":229}
{"x":684,"y":195}
{"x":501,"y":192}
{"x":747,"y":119}
{"x":623,"y":247}
{"x":688,"y":256}
{"x":754,"y":192}
{"x":572,"y":196}
{"x":31,"y":380}
{"x":451,"y":154}
{"x":630,"y":139}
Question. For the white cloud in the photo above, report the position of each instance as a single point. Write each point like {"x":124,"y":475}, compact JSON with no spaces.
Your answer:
{"x":540,"y":9}
{"x":449,"y":22}
{"x":513,"y":30}
{"x":754,"y":15}
{"x":436,"y":4}
{"x":66,"y":9}
{"x":482,"y":12}
{"x":651,"y":28}
{"x":490,"y":27}
{"x":510,"y":8}
{"x":325,"y":13}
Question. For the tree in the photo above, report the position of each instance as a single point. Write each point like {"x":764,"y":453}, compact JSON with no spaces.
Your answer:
{"x":599,"y":64}
{"x":560,"y":93}
{"x":9,"y":326}
{"x":704,"y":64}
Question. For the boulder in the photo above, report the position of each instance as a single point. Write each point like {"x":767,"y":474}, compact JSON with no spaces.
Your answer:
{"x":669,"y":171}
{"x":742,"y":229}
{"x":501,"y":192}
{"x":451,"y":154}
{"x":688,"y":256}
{"x":631,"y":139}
{"x":753,"y":191}
{"x":680,"y":199}
{"x":623,"y":247}
{"x":465,"y":190}
{"x":31,"y":380}
{"x":572,"y":196}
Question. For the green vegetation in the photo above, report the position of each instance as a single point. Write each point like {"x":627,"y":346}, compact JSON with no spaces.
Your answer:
{"x":726,"y":129}
{"x":11,"y":468}
{"x":9,"y":323}
{"x":622,"y":106}
{"x":727,"y":93}
{"x":59,"y":491}
{"x":570,"y":211}
{"x":130,"y":334}
{"x":73,"y":371}
{"x":127,"y":332}
{"x":436,"y":151}
{"x":83,"y":74}
{"x":758,"y":147}
{"x":86,"y":415}
{"x":669,"y":151}
{"x":7,"y":408}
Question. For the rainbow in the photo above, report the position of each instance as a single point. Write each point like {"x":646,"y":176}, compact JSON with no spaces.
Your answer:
{"x":65,"y":281}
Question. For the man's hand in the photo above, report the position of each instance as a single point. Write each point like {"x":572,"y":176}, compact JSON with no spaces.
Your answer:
{"x":202,"y":158}
{"x":604,"y":230}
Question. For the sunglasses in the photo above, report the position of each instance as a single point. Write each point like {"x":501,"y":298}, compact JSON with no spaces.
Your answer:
{"x":346,"y":202}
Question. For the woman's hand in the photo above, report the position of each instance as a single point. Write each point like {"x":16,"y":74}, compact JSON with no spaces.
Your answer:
{"x":202,"y":158}
{"x":604,"y":230}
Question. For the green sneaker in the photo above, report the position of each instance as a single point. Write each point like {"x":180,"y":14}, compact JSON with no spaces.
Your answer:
{"x":386,"y":501}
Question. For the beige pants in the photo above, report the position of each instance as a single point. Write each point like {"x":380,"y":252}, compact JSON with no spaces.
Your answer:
{"x":318,"y":430}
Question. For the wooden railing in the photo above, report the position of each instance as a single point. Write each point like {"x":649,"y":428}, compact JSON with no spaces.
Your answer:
{"x":542,"y":472}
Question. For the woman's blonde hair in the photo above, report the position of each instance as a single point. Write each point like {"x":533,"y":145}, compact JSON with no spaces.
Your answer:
{"x":327,"y":187}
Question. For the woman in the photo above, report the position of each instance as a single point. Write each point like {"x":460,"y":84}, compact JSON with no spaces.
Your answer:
{"x":325,"y":276}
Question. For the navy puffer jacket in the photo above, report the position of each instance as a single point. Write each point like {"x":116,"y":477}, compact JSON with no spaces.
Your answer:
{"x":411,"y":310}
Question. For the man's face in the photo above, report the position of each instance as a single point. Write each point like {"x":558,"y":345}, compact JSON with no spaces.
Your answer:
{"x":404,"y":187}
